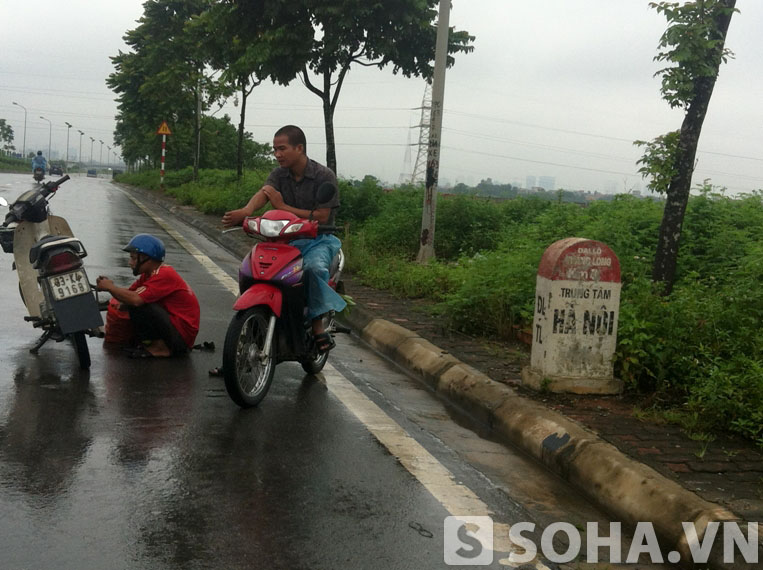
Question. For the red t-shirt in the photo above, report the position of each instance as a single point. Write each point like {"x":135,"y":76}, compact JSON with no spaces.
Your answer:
{"x":165,"y":287}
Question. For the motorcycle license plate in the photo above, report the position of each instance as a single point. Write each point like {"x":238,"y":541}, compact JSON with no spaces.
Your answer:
{"x":69,"y":285}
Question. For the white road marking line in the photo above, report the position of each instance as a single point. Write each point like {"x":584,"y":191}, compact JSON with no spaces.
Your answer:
{"x":457,"y":499}
{"x":215,"y":270}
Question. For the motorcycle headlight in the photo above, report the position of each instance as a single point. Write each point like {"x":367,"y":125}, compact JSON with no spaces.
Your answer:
{"x":293,"y":228}
{"x":272,"y":228}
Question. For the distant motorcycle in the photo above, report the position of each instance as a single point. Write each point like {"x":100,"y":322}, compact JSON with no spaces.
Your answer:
{"x":52,"y":281}
{"x":38,"y":174}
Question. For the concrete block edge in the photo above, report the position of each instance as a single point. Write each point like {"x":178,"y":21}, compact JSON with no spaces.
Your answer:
{"x":593,"y":466}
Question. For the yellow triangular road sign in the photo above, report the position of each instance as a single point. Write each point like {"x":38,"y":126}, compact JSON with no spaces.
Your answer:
{"x":164,"y":129}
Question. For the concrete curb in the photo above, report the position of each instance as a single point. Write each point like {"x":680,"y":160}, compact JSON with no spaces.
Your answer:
{"x":629,"y":490}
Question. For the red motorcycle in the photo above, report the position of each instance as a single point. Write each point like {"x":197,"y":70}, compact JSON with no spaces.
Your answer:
{"x":271,"y":325}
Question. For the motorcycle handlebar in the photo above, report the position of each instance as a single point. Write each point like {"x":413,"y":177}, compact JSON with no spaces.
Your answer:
{"x":57,"y":183}
{"x":52,"y":186}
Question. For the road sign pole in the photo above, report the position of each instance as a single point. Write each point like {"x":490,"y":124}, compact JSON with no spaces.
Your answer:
{"x":164,"y":147}
{"x":163,"y":130}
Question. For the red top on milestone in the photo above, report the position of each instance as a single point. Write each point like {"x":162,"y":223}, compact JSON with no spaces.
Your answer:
{"x":579,"y":259}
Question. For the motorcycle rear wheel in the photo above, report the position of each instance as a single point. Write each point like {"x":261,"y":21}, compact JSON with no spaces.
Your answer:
{"x":80,"y":347}
{"x":247,"y":370}
{"x":315,"y":364}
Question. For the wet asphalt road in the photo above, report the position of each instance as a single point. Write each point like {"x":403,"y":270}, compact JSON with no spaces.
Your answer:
{"x":148,"y":464}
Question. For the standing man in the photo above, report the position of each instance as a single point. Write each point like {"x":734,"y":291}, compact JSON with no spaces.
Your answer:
{"x":292,"y":187}
{"x":163,"y":309}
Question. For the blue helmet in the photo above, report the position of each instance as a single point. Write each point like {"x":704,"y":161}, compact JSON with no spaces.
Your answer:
{"x":147,"y":245}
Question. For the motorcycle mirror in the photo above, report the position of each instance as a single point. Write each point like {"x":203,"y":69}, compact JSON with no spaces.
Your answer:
{"x":326,"y":192}
{"x":3,"y":201}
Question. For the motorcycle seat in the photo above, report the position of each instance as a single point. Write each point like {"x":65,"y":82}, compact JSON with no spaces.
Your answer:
{"x":48,"y":242}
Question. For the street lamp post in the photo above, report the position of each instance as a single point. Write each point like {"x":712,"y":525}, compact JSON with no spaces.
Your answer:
{"x":92,"y":140}
{"x":108,"y":157}
{"x":100,"y":156}
{"x":50,"y":132}
{"x":23,"y":152}
{"x":68,"y":126}
{"x":79,"y":155}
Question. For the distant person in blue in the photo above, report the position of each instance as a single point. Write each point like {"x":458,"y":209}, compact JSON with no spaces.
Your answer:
{"x":39,"y":162}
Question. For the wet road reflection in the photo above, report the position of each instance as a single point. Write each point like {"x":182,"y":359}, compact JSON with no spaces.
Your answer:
{"x":44,"y":436}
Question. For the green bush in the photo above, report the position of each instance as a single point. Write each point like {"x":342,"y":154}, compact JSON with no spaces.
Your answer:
{"x":698,"y":352}
{"x":465,"y":226}
{"x":717,"y":233}
{"x":360,"y":200}
{"x":216,"y":192}
{"x":396,"y":227}
{"x":148,"y":179}
{"x":495,"y":292}
{"x":701,"y":348}
{"x":10,"y":164}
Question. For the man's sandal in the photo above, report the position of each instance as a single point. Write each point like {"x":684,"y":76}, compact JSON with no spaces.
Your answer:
{"x":324,"y":342}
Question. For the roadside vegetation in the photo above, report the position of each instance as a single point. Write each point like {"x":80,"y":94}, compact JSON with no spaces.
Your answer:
{"x":10,"y":164}
{"x":696,"y":355}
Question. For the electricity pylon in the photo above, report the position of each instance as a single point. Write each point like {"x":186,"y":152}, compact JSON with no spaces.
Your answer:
{"x":420,"y":166}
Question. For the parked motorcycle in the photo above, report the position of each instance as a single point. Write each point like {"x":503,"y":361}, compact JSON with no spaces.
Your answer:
{"x":271,"y":325}
{"x":38,"y":174}
{"x":52,"y":281}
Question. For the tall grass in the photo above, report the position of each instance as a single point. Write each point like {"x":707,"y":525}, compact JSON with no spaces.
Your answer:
{"x":216,"y":191}
{"x":10,"y":164}
{"x":698,"y":352}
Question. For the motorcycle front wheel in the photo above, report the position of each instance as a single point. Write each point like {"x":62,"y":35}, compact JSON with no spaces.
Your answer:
{"x":80,"y":347}
{"x":247,"y":369}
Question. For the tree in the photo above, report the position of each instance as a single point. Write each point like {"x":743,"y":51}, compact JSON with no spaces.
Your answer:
{"x":246,"y":41}
{"x":220,"y":141}
{"x":6,"y":135}
{"x":694,"y":45}
{"x":161,"y":78}
{"x":659,"y":161}
{"x":373,"y":34}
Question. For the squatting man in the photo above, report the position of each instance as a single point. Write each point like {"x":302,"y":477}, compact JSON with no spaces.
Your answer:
{"x":164,"y":311}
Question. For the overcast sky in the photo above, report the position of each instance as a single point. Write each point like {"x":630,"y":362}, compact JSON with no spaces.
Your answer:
{"x":555,"y":88}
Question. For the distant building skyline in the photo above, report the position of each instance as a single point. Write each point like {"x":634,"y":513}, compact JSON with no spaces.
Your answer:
{"x":547,"y":182}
